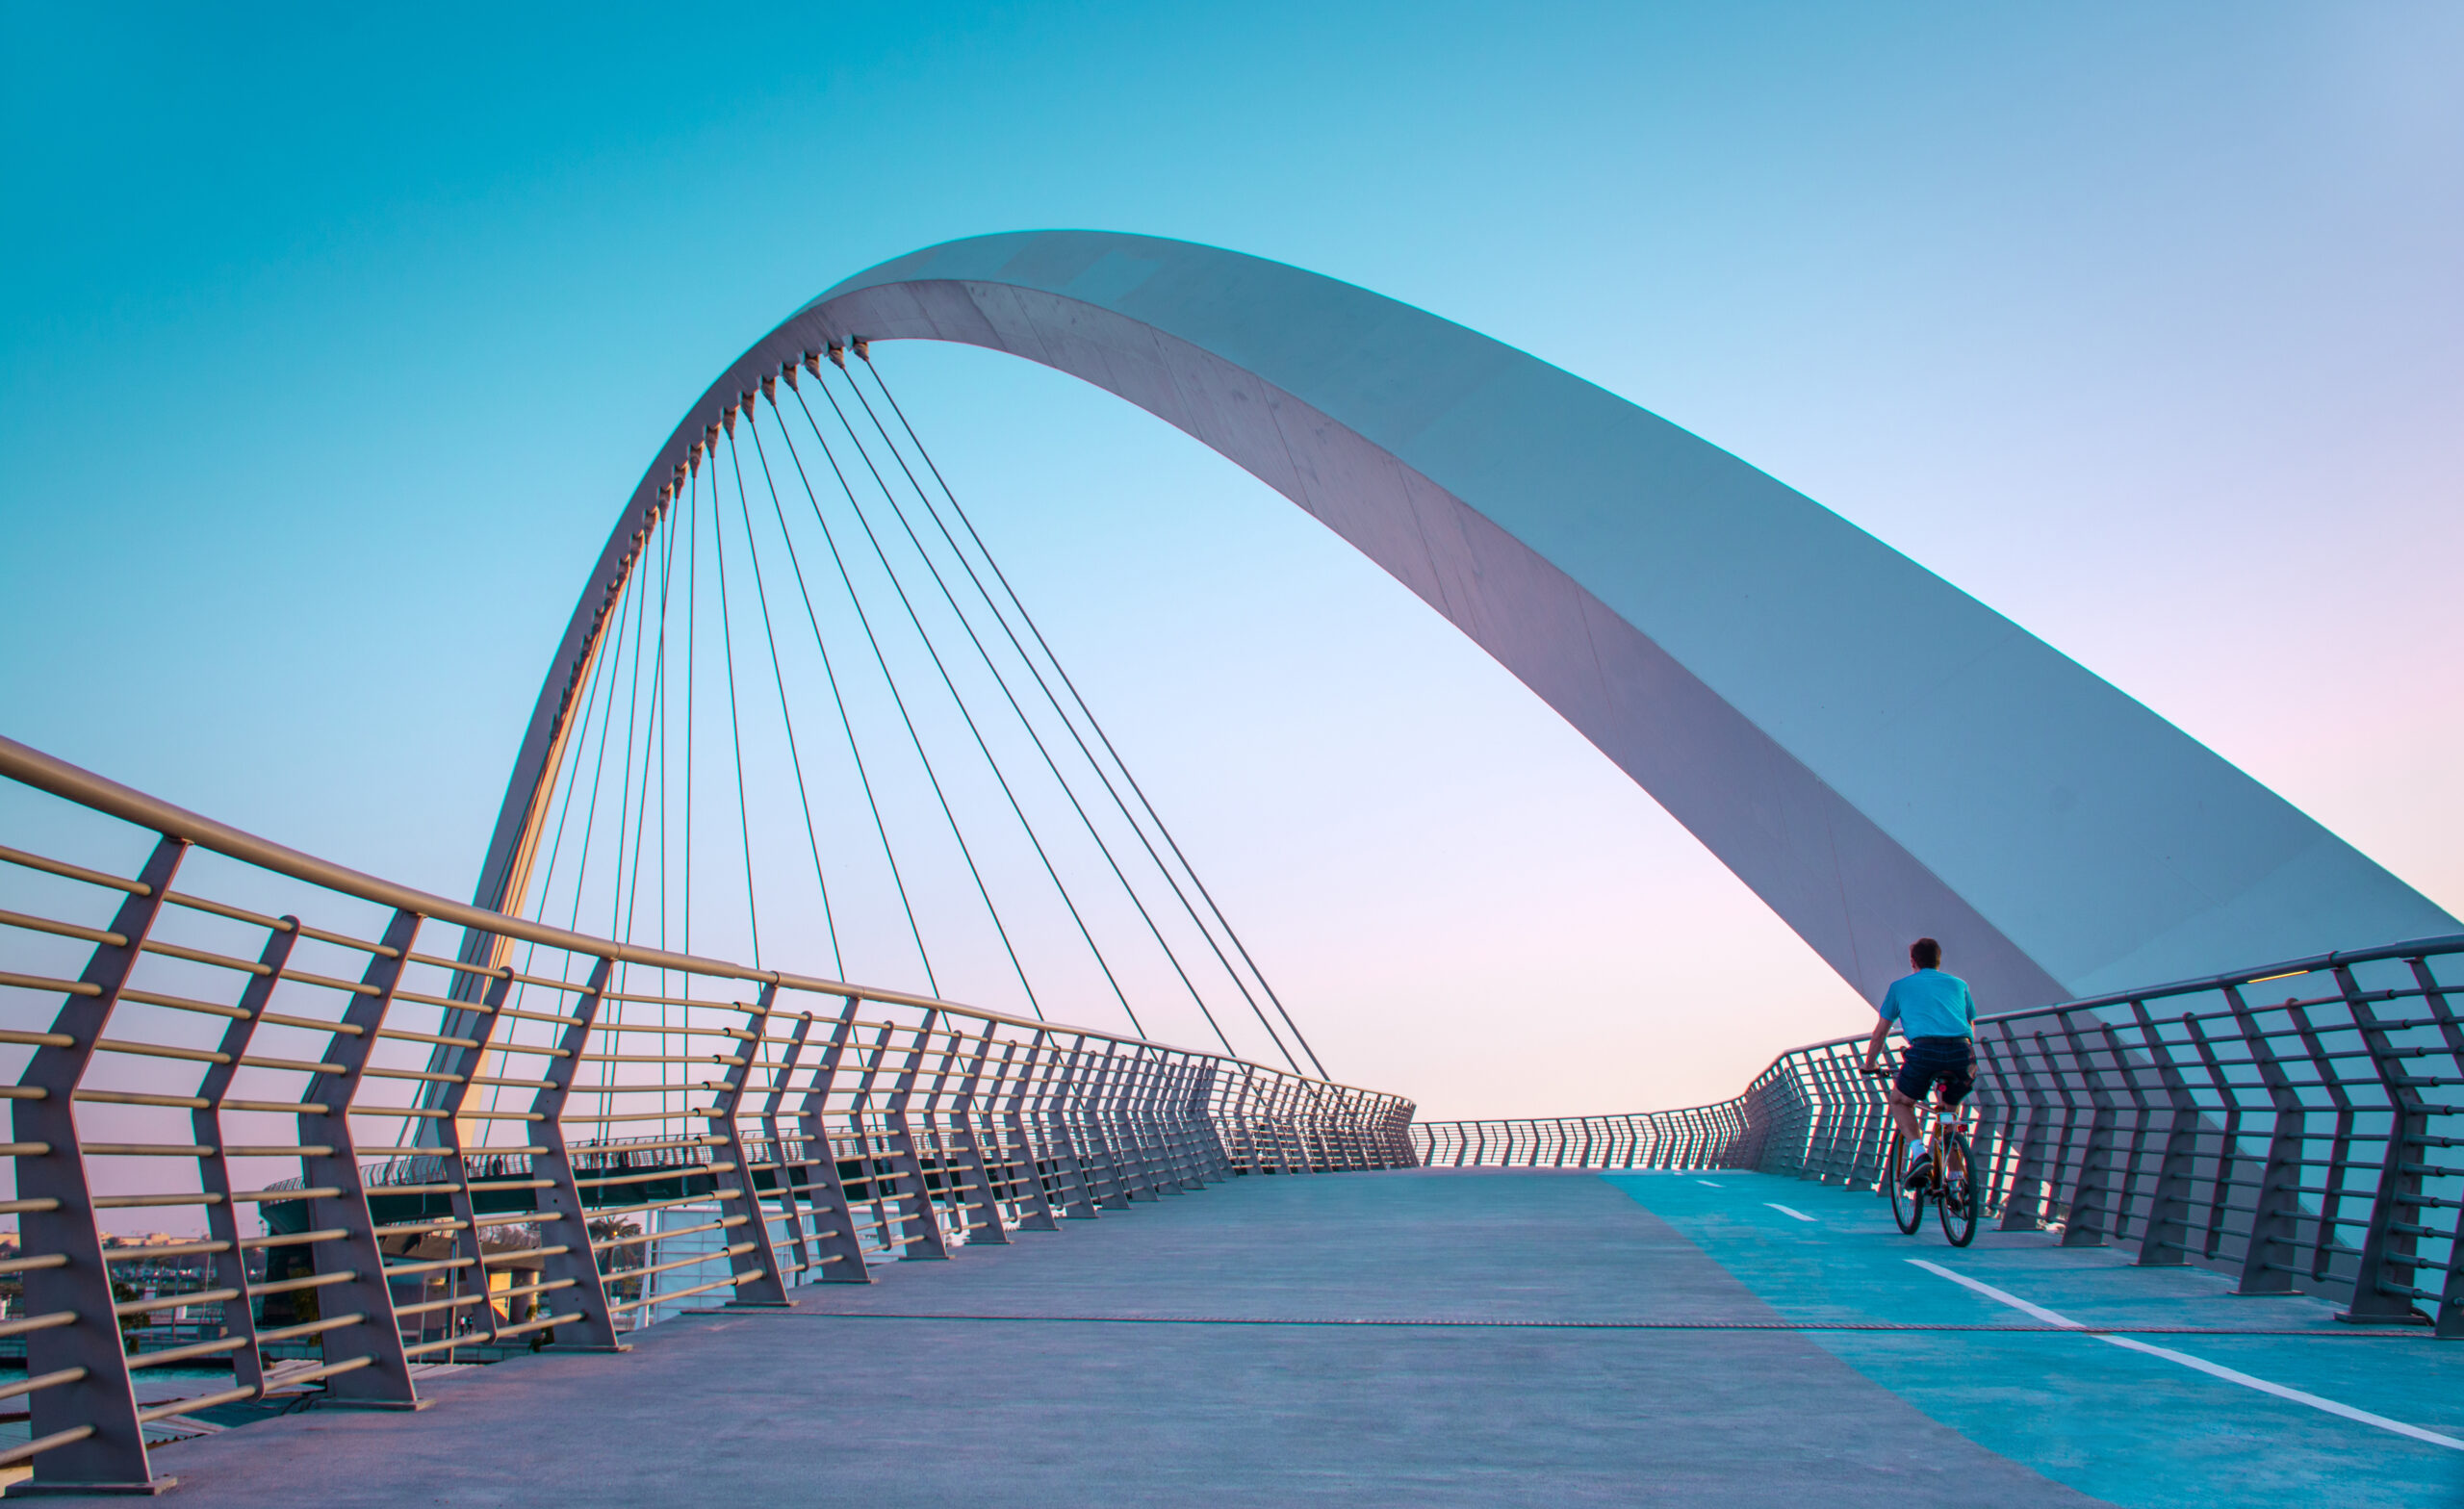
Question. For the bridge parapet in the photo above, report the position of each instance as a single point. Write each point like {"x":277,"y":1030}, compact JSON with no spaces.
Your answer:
{"x":2297,"y":1125}
{"x":567,"y":1140}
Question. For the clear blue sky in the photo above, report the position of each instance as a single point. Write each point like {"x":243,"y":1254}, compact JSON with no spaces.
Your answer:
{"x":331,"y":344}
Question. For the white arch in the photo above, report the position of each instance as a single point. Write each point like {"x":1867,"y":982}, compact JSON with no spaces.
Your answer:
{"x":1876,"y":754}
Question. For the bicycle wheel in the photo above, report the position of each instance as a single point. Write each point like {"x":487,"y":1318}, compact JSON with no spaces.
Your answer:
{"x":1907,"y":1205}
{"x":1956,"y":1200}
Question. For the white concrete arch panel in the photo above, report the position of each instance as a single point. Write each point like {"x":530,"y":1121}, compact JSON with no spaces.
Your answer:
{"x":1876,"y":755}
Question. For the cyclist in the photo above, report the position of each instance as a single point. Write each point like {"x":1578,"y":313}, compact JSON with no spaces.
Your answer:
{"x":1936,"y":1014}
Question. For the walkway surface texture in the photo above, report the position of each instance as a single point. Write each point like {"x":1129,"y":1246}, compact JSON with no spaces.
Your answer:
{"x":1434,"y":1338}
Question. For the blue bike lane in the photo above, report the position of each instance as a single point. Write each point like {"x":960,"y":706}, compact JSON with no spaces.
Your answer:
{"x":2310,"y":1412}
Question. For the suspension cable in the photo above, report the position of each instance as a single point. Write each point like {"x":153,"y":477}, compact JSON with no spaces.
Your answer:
{"x":1032,"y":838}
{"x":699,"y":454}
{"x":829,"y":674}
{"x":883,"y":660}
{"x":613,"y":647}
{"x":1026,"y":723}
{"x":1079,"y":700}
{"x":626,"y":826}
{"x":967,"y":716}
{"x":778,"y":676}
{"x":736,"y":730}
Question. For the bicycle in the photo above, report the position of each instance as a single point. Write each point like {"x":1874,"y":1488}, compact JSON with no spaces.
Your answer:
{"x":1948,"y":1183}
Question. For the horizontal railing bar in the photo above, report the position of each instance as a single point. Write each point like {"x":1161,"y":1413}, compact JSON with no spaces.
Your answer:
{"x":74,"y":872}
{"x":65,"y":929}
{"x":57,"y":1438}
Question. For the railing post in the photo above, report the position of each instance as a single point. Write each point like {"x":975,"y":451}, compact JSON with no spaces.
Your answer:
{"x":2277,"y":1206}
{"x":1306,"y":1125}
{"x":1108,"y":1184}
{"x":1121,"y":1133}
{"x":1273,"y":1157}
{"x":1993,"y":1156}
{"x":1137,"y":1111}
{"x":2450,"y":1303}
{"x":1120,"y":1116}
{"x":1210,"y":1126}
{"x":2088,"y":1222}
{"x":1807,"y":1111}
{"x":2166,"y":1240}
{"x":768,"y":1288}
{"x":574,"y":1259}
{"x":1151,"y":1082}
{"x":1856,"y":1137}
{"x":384,"y":1380}
{"x":1837,"y":1111}
{"x":2332,"y":1191}
{"x":2132,"y":1072}
{"x":1058,"y":1099}
{"x":467,"y":1267}
{"x":1310,"y":1117}
{"x":1301,"y":1102}
{"x":1034,"y":1207}
{"x":796,"y":1205}
{"x":2024,"y":1195}
{"x":975,"y":1175}
{"x":840,"y":1258}
{"x":1182,"y":1087}
{"x":2226,"y":1129}
{"x":907,"y":1153}
{"x":85,"y":1358}
{"x":2386,"y":1279}
{"x":1340,"y":1149}
{"x":229,"y":1263}
{"x":1234,"y":1115}
{"x":1089,"y":1074}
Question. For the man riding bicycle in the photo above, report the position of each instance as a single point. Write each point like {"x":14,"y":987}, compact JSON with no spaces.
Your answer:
{"x":1936,"y":1014}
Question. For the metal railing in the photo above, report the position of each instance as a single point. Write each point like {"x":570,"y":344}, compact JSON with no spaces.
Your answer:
{"x":1698,"y":1136}
{"x":2299,"y":1126}
{"x":185,"y":1046}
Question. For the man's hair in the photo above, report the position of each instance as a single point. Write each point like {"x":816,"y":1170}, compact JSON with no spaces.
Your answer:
{"x":1925,"y":954}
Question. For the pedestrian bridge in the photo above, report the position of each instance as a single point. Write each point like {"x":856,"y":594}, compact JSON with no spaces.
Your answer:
{"x":1437,"y":1338}
{"x":324,"y":1189}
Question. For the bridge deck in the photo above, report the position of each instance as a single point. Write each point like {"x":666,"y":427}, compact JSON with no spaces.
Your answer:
{"x":1431,"y":1339}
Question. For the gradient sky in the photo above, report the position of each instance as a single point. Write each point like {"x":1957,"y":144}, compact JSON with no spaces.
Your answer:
{"x":331,"y":344}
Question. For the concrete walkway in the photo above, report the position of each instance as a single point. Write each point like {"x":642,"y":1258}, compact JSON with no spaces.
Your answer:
{"x":1411,"y":1339}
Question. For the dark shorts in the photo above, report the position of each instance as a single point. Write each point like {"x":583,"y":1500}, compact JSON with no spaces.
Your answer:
{"x":1947,"y":1061}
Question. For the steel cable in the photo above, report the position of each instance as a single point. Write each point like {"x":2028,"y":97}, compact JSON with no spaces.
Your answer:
{"x":1028,"y":725}
{"x":735,"y":729}
{"x":778,"y":676}
{"x":882,"y":659}
{"x":829,"y":674}
{"x":966,"y":715}
{"x":1087,"y":712}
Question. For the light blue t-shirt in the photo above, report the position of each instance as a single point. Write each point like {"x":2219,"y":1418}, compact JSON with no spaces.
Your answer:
{"x":1930,"y":1004}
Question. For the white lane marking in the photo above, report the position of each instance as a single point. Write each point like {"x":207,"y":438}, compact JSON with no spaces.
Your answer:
{"x":2005,"y":1297}
{"x":1785,"y":1211}
{"x":1708,"y":1185}
{"x":2214,"y":1369}
{"x":2199,"y":1364}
